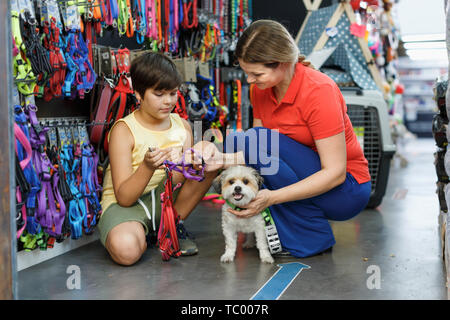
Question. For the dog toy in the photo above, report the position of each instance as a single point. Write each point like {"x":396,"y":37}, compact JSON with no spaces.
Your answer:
{"x":215,"y":197}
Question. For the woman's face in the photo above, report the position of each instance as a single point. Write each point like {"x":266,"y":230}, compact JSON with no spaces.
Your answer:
{"x":262,"y":76}
{"x":158,"y":103}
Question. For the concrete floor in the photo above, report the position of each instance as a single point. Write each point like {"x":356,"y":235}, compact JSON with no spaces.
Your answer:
{"x":399,"y":240}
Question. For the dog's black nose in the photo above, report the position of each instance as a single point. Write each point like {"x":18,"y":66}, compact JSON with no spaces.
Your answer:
{"x":237,"y":189}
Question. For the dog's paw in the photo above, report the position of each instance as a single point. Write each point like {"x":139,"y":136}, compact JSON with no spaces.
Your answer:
{"x":226,"y":258}
{"x":267,"y":259}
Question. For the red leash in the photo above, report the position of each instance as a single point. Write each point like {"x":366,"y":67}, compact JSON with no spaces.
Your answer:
{"x":167,"y":234}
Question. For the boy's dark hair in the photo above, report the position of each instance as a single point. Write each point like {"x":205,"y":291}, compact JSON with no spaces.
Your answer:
{"x":153,"y":70}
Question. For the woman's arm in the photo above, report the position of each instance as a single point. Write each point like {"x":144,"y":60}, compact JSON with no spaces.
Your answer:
{"x":333,"y":158}
{"x":128,"y":186}
{"x":178,"y":176}
{"x":233,"y":159}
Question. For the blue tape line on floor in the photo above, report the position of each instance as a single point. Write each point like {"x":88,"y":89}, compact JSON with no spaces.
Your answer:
{"x":280,"y":281}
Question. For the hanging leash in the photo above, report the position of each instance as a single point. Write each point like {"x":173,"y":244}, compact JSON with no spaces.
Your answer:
{"x":113,"y":13}
{"x":180,"y":107}
{"x":22,"y":70}
{"x":51,"y":208}
{"x":31,"y":176}
{"x":118,"y":103}
{"x":190,"y":6}
{"x":139,"y":7}
{"x":23,"y":187}
{"x":53,"y":43}
{"x":35,"y":51}
{"x":63,"y":186}
{"x":85,"y":77}
{"x":238,"y":100}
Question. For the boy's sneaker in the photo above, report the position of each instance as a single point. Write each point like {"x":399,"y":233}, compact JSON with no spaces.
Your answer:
{"x":185,"y":239}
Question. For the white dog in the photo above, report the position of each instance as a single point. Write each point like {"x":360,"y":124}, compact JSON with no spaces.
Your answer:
{"x":238,"y":186}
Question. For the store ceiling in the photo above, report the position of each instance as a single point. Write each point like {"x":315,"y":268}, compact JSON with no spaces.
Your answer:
{"x":421,"y":17}
{"x":422,"y":28}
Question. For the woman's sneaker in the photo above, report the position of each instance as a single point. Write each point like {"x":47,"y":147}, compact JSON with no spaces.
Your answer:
{"x":286,"y":254}
{"x":185,"y":240}
{"x":282,"y":254}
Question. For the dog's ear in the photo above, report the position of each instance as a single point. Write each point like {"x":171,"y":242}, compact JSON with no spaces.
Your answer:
{"x":259,"y":178}
{"x":217,"y":184}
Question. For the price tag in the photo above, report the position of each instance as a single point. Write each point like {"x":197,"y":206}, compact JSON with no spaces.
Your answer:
{"x":203,"y":68}
{"x":180,"y":66}
{"x":190,"y":69}
{"x":71,"y":17}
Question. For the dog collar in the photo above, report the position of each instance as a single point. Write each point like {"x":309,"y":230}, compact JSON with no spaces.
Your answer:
{"x":265,"y":213}
{"x":234,"y":207}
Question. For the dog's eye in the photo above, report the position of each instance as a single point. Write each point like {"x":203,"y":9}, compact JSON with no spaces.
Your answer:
{"x":231,"y":181}
{"x":245,"y":181}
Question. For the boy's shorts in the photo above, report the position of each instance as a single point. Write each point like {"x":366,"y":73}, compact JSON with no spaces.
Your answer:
{"x":116,"y":214}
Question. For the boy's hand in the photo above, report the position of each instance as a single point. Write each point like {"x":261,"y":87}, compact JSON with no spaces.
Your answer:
{"x":155,"y":157}
{"x":176,"y":154}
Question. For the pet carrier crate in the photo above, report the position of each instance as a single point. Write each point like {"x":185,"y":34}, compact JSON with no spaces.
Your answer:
{"x":368,"y":113}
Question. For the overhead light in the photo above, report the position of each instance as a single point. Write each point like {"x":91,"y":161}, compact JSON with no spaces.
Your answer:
{"x":423,"y":37}
{"x":426,"y":45}
{"x":427,"y":54}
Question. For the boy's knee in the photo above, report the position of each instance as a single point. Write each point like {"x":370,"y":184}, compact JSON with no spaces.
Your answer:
{"x":126,"y":248}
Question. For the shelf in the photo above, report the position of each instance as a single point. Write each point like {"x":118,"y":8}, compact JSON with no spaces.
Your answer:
{"x":418,"y":93}
{"x":417,"y":78}
{"x":411,"y":64}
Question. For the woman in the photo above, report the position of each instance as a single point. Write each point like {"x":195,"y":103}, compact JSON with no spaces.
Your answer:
{"x":320,"y":171}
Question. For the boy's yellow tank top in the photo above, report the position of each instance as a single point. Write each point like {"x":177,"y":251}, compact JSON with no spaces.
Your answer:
{"x":144,"y":138}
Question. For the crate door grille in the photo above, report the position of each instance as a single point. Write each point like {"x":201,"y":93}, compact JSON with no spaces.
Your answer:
{"x":367,"y":118}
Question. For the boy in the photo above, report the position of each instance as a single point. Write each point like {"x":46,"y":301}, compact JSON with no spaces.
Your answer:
{"x":135,"y":177}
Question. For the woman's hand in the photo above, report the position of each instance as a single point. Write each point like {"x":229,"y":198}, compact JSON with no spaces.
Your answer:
{"x":212,"y":157}
{"x":262,"y":200}
{"x":154,"y":159}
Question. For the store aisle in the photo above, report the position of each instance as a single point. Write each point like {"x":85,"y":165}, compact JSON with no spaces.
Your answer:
{"x":399,"y":242}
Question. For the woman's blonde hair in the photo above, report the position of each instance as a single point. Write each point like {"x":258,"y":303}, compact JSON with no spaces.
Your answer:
{"x":270,"y":43}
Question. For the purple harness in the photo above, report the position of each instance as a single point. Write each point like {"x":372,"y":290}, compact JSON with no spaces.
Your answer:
{"x":187,"y":169}
{"x":48,"y":214}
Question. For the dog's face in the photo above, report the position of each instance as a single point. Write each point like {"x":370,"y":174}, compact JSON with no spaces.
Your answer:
{"x":238,"y":184}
